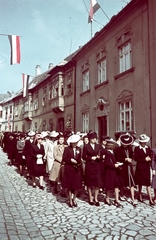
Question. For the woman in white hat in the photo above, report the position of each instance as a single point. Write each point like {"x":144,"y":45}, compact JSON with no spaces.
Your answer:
{"x":124,"y":155}
{"x":143,"y":156}
{"x":72,"y":174}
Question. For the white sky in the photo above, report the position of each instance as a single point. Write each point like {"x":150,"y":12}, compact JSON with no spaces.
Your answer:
{"x":50,"y":30}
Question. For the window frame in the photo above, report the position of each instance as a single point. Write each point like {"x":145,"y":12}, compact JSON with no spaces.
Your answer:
{"x":126,"y":116}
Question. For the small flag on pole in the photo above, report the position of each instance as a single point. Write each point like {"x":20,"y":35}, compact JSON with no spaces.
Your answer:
{"x":25,"y":79}
{"x":15,"y":49}
{"x":94,"y":6}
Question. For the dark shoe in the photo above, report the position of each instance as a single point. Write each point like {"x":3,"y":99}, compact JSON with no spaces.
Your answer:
{"x":117,"y":204}
{"x":108,"y":203}
{"x":70,"y":205}
{"x":97,"y":204}
{"x":41,"y":187}
{"x":74,"y":204}
{"x":91,"y":203}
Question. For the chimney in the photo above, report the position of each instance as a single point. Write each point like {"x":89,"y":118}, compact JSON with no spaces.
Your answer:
{"x":50,"y":66}
{"x":37,"y":70}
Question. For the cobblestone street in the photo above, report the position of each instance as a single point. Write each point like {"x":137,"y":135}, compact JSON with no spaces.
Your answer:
{"x":27,"y":213}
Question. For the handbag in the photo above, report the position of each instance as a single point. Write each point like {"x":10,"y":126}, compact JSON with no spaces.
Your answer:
{"x":39,"y":159}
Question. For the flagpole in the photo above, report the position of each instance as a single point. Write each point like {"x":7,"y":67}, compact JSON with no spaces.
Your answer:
{"x":91,"y":28}
{"x":8,"y":35}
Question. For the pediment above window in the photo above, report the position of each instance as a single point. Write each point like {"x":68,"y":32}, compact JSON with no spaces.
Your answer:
{"x":125,"y":94}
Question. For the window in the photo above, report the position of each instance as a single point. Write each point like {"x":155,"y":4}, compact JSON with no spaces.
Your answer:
{"x":85,"y":81}
{"x":125,"y":57}
{"x":85,"y":118}
{"x":44,"y":98}
{"x":102,"y":71}
{"x":11,"y":112}
{"x":6,"y":113}
{"x":50,"y":91}
{"x":26,"y":106}
{"x":126,"y":116}
{"x":36,"y":102}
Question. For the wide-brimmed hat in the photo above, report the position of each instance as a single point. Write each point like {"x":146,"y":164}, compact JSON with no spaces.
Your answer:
{"x":92,"y":135}
{"x":74,"y":138}
{"x":44,"y":134}
{"x":54,"y":134}
{"x":126,"y":139}
{"x":111,"y":141}
{"x":31,"y":133}
{"x":144,"y":138}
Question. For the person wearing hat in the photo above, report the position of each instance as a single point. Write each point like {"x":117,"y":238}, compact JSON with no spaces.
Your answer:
{"x":20,"y":146}
{"x":38,"y":166}
{"x":26,"y":152}
{"x":49,"y":151}
{"x":111,"y":179}
{"x":57,"y":170}
{"x":72,"y":175}
{"x":124,"y":154}
{"x":93,"y":179}
{"x":143,"y":156}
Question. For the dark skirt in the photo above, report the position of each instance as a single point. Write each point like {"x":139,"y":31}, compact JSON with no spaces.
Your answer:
{"x":71,"y":178}
{"x":93,"y":176}
{"x":37,"y":170}
{"x":142,"y":177}
{"x":20,"y":160}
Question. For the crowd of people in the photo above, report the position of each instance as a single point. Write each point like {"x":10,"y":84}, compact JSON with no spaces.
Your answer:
{"x":78,"y":161}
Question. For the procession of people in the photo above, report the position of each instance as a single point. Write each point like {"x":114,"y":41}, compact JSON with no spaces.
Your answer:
{"x":79,"y":162}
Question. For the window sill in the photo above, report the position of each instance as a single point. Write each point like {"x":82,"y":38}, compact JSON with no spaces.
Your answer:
{"x":101,"y":84}
{"x":83,"y":93}
{"x":123,"y":73}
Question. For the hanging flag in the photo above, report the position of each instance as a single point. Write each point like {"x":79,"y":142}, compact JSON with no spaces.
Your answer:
{"x":15,"y":49}
{"x":94,"y":6}
{"x":25,"y":79}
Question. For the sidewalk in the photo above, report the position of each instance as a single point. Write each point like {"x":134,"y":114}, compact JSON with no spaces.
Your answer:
{"x":33,"y":214}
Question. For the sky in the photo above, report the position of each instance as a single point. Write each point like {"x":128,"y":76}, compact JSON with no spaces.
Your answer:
{"x":49,"y":31}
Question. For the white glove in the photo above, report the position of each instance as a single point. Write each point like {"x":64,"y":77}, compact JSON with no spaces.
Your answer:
{"x":23,"y":157}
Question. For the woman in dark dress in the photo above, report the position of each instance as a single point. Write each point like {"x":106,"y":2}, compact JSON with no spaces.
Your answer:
{"x":124,"y":154}
{"x":111,"y":180}
{"x":93,"y":179}
{"x":143,"y":156}
{"x":38,"y":164}
{"x":72,"y":172}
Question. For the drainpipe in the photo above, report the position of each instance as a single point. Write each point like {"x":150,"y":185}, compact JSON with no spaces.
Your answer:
{"x":149,"y":69}
{"x":74,"y":96}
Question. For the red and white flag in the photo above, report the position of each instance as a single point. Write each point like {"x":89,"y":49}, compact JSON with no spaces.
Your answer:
{"x":15,"y":49}
{"x":94,"y":6}
{"x":25,"y":79}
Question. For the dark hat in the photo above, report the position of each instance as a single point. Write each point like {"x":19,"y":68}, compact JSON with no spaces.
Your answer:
{"x":104,"y":138}
{"x":126,"y":139}
{"x":92,"y":135}
{"x":22,"y":135}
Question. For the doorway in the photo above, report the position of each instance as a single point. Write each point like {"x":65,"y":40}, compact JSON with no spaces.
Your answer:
{"x":102,"y":127}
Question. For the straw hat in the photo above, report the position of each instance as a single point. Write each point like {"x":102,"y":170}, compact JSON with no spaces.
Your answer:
{"x":144,"y":138}
{"x":74,"y":138}
{"x":31,"y":134}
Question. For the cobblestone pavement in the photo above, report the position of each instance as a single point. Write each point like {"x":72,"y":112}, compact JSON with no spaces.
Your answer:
{"x":27,"y":213}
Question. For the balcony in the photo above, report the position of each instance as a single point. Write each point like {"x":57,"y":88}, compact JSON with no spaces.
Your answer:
{"x":28,"y":116}
{"x":57,"y":104}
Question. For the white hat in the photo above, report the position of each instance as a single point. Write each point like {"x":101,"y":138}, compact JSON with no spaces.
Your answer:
{"x":44,"y":134}
{"x":144,"y":138}
{"x":74,"y":138}
{"x":31,"y":134}
{"x":54,"y":134}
